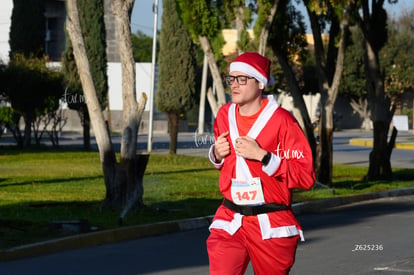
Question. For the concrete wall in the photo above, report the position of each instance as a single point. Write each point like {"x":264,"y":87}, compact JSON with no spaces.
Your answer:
{"x":142,"y":85}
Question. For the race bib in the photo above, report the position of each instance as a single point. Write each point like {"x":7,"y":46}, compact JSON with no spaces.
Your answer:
{"x":247,"y":192}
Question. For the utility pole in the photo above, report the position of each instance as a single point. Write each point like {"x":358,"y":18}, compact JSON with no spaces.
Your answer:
{"x":201,"y":110}
{"x":151,"y":96}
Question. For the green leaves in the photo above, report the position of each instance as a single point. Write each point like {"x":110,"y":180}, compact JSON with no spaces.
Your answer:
{"x":200,"y":17}
{"x":176,"y":63}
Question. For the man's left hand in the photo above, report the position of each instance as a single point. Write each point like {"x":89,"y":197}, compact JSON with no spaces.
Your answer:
{"x":248,"y":148}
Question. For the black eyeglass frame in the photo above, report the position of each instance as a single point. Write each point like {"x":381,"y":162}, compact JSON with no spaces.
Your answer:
{"x":241,"y":79}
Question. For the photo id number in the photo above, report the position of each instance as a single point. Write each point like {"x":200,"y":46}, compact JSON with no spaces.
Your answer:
{"x":368,"y":247}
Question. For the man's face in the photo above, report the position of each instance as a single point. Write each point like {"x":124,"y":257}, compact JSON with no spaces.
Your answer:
{"x":244,"y":88}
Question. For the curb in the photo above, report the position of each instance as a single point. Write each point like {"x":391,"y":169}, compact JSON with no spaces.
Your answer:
{"x":103,"y":237}
{"x":369,"y":143}
{"x":140,"y":231}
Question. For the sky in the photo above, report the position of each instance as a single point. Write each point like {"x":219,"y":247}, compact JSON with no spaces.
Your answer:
{"x":143,"y":17}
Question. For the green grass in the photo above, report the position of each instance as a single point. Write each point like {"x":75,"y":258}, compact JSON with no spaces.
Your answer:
{"x":37,"y":187}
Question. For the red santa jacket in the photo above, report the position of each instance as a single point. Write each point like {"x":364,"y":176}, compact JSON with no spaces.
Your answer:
{"x":291,"y":166}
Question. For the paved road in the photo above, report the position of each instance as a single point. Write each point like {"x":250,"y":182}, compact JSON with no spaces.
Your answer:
{"x":373,"y":237}
{"x":337,"y":242}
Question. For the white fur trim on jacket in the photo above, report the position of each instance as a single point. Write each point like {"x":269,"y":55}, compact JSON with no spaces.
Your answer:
{"x":268,"y":232}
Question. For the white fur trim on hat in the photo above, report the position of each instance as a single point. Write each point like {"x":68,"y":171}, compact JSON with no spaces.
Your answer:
{"x":248,"y":69}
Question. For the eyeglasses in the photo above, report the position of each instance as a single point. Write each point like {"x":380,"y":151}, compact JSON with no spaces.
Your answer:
{"x":241,"y":79}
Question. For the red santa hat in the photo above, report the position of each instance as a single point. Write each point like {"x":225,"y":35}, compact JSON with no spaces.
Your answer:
{"x":253,"y":64}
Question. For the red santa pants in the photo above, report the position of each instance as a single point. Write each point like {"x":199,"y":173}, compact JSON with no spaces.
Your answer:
{"x":230,"y":254}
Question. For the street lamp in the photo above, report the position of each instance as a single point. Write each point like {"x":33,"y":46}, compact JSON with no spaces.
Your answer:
{"x":151,"y":96}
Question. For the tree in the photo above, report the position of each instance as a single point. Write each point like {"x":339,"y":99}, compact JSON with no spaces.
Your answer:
{"x":353,"y":80}
{"x":240,"y":16}
{"x":123,"y":180}
{"x":288,"y":43}
{"x":27,"y":35}
{"x":176,"y":70}
{"x":27,"y":30}
{"x":33,"y":90}
{"x":373,"y":24}
{"x":203,"y":22}
{"x":397,"y":57}
{"x":91,"y":14}
{"x":329,"y":59}
{"x":237,"y":15}
{"x":31,"y":87}
{"x":264,"y":22}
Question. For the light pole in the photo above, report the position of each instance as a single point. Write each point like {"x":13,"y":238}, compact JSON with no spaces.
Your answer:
{"x":151,"y":96}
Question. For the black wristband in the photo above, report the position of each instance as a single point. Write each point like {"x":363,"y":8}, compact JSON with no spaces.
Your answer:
{"x":265,"y":160}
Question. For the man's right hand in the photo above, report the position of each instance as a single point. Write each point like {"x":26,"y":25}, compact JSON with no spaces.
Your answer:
{"x":221,"y":147}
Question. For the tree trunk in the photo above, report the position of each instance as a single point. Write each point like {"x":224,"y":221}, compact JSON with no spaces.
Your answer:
{"x":215,"y":104}
{"x":27,"y":130}
{"x":380,"y":156}
{"x":329,"y":81}
{"x":325,"y":148}
{"x":173,"y":120}
{"x":128,"y":179}
{"x":266,"y":28}
{"x":300,"y":110}
{"x":215,"y":72}
{"x":379,"y":159}
{"x":212,"y":101}
{"x":239,"y":22}
{"x":86,"y":123}
{"x":361,"y":107}
{"x":106,"y":152}
{"x":132,"y":189}
{"x":379,"y":163}
{"x":124,"y":181}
